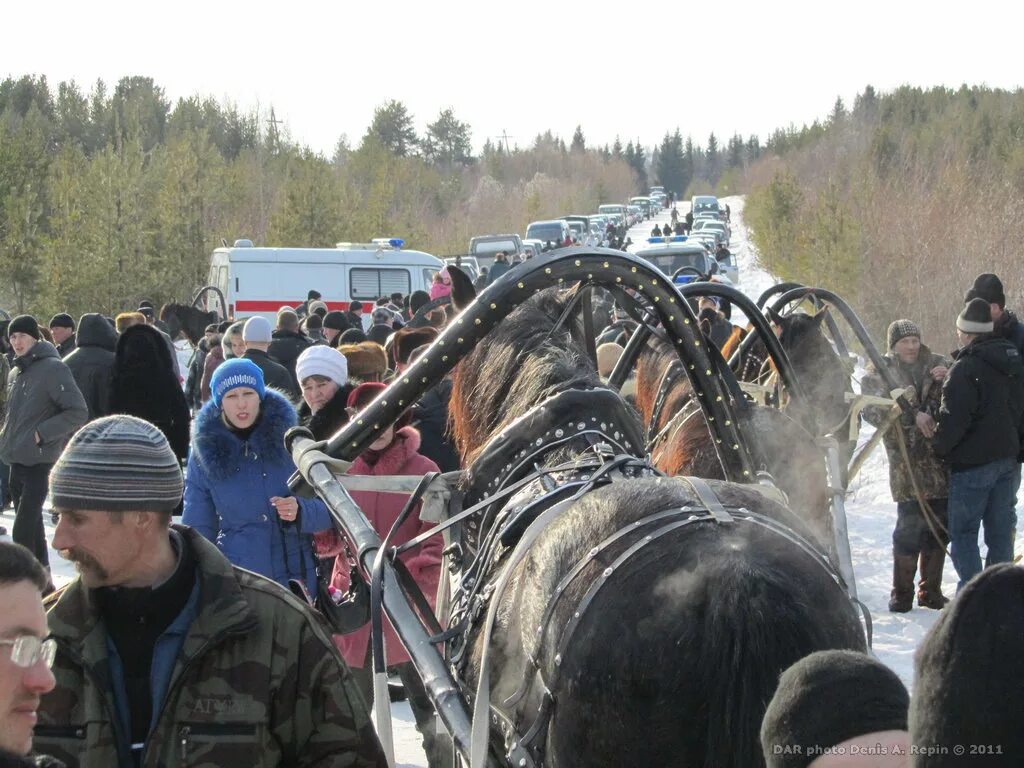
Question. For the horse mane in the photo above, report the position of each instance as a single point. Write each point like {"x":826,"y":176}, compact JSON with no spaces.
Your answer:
{"x":818,"y":366}
{"x":734,"y":340}
{"x":185,"y":318}
{"x":520,"y":363}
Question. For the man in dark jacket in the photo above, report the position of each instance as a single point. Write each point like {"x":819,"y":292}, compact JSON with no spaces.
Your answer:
{"x":288,"y":343}
{"x":499,"y":267}
{"x":914,"y":540}
{"x":303,"y":309}
{"x":62,"y":328}
{"x":44,"y":408}
{"x":194,"y":380}
{"x":257,"y":337}
{"x":166,"y":654}
{"x":1007,"y":325}
{"x":92,"y":363}
{"x":979,"y":433}
{"x":335,"y":324}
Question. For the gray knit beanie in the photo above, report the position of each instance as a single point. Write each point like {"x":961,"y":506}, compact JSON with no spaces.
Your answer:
{"x":117,"y":464}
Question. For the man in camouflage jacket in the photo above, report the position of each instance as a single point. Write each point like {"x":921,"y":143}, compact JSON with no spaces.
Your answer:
{"x":167,"y":655}
{"x":914,"y":366}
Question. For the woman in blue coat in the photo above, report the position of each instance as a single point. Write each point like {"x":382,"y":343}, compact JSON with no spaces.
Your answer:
{"x":236,"y":490}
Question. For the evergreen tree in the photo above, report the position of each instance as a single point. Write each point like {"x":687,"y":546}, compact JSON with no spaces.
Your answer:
{"x":838,"y":112}
{"x":753,"y":148}
{"x":735,"y":152}
{"x":712,"y":161}
{"x":448,"y":141}
{"x":392,"y":127}
{"x":579,"y":144}
{"x":670,"y":170}
{"x":617,"y":148}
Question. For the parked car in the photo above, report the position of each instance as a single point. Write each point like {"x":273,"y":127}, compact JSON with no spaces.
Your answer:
{"x":580,"y":225}
{"x":467,"y":264}
{"x":673,"y":253}
{"x":484,"y":247}
{"x":711,"y":225}
{"x":534,"y":245}
{"x":550,"y":230}
{"x":701,"y":203}
{"x":645,"y":203}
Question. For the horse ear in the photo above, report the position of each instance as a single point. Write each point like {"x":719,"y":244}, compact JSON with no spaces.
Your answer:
{"x":463,"y":292}
{"x":775,"y":317}
{"x":820,"y":315}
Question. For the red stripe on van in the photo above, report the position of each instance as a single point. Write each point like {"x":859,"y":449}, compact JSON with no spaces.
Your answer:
{"x":272,"y":306}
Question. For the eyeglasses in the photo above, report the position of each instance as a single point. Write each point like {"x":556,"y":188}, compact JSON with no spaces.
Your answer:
{"x":26,"y":651}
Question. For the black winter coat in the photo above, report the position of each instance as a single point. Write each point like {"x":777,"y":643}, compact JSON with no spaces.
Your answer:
{"x":145,"y":385}
{"x":68,"y":346}
{"x":92,"y":363}
{"x":194,"y":380}
{"x":286,"y":348}
{"x":980,"y":418}
{"x":274,"y":374}
{"x":1009,"y":327}
{"x":430,"y":417}
{"x":329,"y":419}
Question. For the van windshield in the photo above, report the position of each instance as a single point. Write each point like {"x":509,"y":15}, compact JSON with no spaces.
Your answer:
{"x":545,"y":232}
{"x":670,"y":262}
{"x":493,"y":246}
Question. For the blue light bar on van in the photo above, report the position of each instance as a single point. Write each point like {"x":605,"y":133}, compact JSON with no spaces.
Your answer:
{"x":669,"y":239}
{"x":684,"y":279}
{"x":396,"y":243}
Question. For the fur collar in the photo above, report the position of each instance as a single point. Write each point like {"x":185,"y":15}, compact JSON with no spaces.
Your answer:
{"x":219,"y":450}
{"x":394,"y":459}
{"x":329,"y":419}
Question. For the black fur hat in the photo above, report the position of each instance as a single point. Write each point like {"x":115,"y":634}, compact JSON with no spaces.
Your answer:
{"x":968,"y":672}
{"x":988,"y":287}
{"x":825,"y":699}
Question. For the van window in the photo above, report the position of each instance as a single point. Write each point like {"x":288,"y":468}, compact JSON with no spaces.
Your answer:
{"x":374,"y":283}
{"x":553,"y":232}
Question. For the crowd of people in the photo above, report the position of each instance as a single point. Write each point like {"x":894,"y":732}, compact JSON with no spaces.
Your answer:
{"x":177,"y":645}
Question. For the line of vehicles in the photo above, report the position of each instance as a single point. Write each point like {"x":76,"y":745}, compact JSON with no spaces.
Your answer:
{"x":259,"y":281}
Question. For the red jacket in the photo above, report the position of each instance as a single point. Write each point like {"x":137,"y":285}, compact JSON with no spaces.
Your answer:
{"x":382,"y":509}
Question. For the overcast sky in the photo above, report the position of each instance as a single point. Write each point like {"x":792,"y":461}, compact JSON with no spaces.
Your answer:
{"x":629,"y":69}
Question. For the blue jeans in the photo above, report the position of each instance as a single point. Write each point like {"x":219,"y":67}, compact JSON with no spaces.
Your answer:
{"x":982,"y":496}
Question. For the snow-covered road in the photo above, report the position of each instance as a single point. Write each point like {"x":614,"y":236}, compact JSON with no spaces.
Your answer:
{"x":870,"y":509}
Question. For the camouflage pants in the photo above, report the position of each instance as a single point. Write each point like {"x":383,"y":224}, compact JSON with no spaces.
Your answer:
{"x":912,"y":534}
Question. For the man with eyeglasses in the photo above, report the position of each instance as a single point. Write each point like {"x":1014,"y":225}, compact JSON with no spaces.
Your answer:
{"x":25,"y":652}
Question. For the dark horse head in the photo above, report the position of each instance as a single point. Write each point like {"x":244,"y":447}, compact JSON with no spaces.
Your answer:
{"x":633,"y":631}
{"x":683,"y":445}
{"x":183,"y":319}
{"x":820,"y":370}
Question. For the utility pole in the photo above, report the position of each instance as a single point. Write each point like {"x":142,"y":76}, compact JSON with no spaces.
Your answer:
{"x":273,"y":137}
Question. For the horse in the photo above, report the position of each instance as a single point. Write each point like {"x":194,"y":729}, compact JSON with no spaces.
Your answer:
{"x":680,"y":442}
{"x":822,"y":373}
{"x":626,"y":623}
{"x":181,"y":318}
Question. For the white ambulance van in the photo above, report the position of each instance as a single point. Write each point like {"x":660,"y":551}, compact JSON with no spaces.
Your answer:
{"x":259,"y":281}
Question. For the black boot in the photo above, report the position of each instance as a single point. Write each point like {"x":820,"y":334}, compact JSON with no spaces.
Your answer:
{"x":901,"y":600}
{"x":929,"y":590}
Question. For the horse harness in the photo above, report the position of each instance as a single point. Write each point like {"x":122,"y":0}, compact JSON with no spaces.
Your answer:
{"x":532,"y":497}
